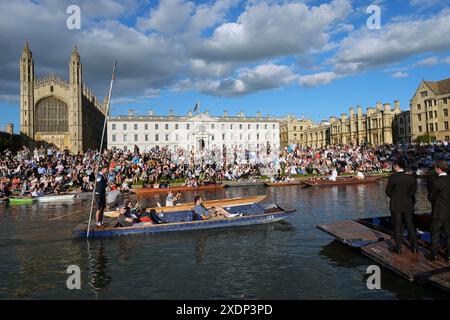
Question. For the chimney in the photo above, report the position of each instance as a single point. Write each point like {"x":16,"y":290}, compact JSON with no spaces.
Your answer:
{"x":170,"y":112}
{"x":332,"y":119}
{"x":352,"y":112}
{"x":343,"y":117}
{"x":397,"y":104}
{"x":130,"y":112}
{"x":379,"y":106}
{"x":10,"y":128}
{"x":359,"y":110}
{"x":240,"y":114}
{"x":151,"y":112}
{"x":225,"y":113}
{"x":259,"y":114}
{"x":387,"y":107}
{"x":189,"y":113}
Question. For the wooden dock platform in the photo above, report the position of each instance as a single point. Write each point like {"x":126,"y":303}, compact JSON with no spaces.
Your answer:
{"x":412,"y":266}
{"x":353,"y":233}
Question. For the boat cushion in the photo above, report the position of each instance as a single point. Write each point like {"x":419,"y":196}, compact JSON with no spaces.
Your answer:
{"x":178,"y":216}
{"x":246,"y":209}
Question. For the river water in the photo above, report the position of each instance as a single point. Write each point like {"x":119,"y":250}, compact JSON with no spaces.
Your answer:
{"x":284,"y":260}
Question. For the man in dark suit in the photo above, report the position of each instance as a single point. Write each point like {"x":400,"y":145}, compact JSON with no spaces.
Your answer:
{"x":439,"y":196}
{"x":401,"y":189}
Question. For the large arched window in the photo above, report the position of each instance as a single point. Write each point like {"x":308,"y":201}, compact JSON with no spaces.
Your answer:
{"x":52,"y":115}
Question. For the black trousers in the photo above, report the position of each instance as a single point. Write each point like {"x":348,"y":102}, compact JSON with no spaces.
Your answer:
{"x":437,"y":226}
{"x":100,"y":199}
{"x":400,"y":218}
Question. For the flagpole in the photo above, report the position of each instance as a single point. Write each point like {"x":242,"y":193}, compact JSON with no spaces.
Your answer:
{"x":101,"y":144}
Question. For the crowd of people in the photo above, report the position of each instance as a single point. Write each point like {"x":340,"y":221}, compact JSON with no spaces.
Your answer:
{"x":42,"y":170}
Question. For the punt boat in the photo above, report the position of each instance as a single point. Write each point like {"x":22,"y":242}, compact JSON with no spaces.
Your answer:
{"x":283,"y":184}
{"x":189,"y":205}
{"x":342,"y":181}
{"x":373,"y":236}
{"x":232,"y":184}
{"x":176,"y":189}
{"x":243,"y":215}
{"x":49,"y":198}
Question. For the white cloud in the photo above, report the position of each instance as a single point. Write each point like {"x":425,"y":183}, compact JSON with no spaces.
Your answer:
{"x":343,"y":27}
{"x":427,"y":62}
{"x":209,"y":15}
{"x":201,"y":68}
{"x":364,"y":50}
{"x":103,"y":9}
{"x":400,"y":75}
{"x":317,"y":79}
{"x":10,"y":98}
{"x":424,"y":3}
{"x":267,"y":30}
{"x":263,"y":77}
{"x":208,"y":46}
{"x":144,"y":61}
{"x":397,"y":41}
{"x":169,"y":17}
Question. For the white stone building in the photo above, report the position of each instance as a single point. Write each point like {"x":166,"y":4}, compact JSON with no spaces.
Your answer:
{"x":199,"y":132}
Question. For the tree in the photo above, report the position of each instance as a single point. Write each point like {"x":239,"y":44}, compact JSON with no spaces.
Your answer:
{"x":426,"y":138}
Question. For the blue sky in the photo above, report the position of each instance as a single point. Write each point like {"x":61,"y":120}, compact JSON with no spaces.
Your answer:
{"x":311,"y":58}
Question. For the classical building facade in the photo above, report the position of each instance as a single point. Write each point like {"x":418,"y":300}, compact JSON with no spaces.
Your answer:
{"x":375,"y":127}
{"x":292,"y":130}
{"x":56,"y":112}
{"x":380,"y":125}
{"x":429,"y":110}
{"x":193,"y":132}
{"x":304,"y":132}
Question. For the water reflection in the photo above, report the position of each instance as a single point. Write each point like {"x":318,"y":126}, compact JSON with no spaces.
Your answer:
{"x":99,"y":277}
{"x":343,"y":256}
{"x":200,"y":249}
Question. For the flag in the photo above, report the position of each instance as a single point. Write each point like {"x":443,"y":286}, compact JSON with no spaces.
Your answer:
{"x":197,"y":105}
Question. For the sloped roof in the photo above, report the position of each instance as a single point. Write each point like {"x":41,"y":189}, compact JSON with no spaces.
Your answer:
{"x":439,"y":87}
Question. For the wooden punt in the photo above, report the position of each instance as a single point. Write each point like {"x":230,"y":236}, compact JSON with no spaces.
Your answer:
{"x":176,"y":189}
{"x":374,"y":237}
{"x":48,"y":198}
{"x":56,"y":198}
{"x":251,"y":214}
{"x":84,"y":195}
{"x":283,"y":184}
{"x":233,"y":184}
{"x":413,"y":267}
{"x":208,"y":204}
{"x":353,"y":233}
{"x":342,"y":181}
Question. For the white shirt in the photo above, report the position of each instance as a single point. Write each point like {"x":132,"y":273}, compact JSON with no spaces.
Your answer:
{"x":334,"y":175}
{"x":169,"y":201}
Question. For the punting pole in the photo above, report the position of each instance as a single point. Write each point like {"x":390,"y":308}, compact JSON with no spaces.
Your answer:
{"x":101,"y":145}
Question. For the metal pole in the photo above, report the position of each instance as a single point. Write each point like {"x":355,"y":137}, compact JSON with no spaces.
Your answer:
{"x":101,"y":145}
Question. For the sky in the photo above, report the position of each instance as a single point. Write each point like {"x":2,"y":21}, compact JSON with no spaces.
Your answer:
{"x":310,"y":58}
